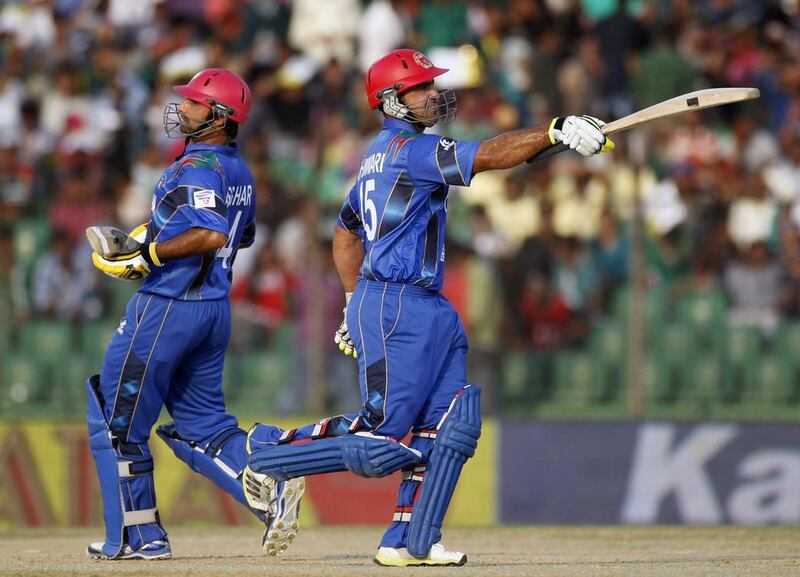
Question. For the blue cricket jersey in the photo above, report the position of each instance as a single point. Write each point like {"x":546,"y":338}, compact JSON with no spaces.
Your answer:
{"x":398,"y":204}
{"x":211,"y":187}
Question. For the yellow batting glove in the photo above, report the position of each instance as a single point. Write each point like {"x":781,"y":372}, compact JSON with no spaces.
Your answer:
{"x":130,"y":266}
{"x":120,"y":255}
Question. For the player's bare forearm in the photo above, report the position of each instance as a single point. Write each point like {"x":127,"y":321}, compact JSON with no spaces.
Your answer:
{"x":348,"y":254}
{"x":510,"y":149}
{"x":193,"y":242}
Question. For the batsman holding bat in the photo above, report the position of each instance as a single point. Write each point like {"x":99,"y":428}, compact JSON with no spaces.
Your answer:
{"x":411,"y":348}
{"x":169,"y":348}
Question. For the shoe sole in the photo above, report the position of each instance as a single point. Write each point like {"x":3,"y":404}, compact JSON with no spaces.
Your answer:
{"x":419,"y":562}
{"x":282,"y":528}
{"x":130,"y":557}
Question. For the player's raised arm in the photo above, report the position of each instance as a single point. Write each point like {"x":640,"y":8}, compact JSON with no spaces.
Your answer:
{"x":580,"y":133}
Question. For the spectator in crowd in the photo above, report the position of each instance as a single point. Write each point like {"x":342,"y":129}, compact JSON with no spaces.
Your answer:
{"x":546,"y":315}
{"x":753,"y":213}
{"x":15,"y":303}
{"x":263,"y":296}
{"x":756,"y":288}
{"x":63,"y":287}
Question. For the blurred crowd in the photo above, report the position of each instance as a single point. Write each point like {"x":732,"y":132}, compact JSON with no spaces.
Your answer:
{"x":536,"y":254}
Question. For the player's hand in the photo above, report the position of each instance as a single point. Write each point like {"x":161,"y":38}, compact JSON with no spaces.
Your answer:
{"x":109,"y":241}
{"x":120,"y":255}
{"x":342,"y":336}
{"x":580,"y":133}
{"x":128,"y":266}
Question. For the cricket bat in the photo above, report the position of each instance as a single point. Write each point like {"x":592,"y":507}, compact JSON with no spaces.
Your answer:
{"x":697,"y":100}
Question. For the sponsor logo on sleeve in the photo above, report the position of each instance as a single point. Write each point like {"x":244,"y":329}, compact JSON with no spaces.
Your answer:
{"x":204,"y":199}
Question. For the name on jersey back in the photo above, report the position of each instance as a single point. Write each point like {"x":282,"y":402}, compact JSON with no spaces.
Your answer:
{"x":371,"y":164}
{"x":239,"y":195}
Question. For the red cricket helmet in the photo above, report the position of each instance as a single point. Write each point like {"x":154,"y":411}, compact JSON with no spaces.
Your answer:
{"x":219,"y":86}
{"x":402,"y":68}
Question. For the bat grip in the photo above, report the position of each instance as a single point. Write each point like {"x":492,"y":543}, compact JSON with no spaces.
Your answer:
{"x":548,"y":152}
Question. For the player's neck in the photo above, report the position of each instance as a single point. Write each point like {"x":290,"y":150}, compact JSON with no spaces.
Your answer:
{"x":219,"y":138}
{"x":418,"y":126}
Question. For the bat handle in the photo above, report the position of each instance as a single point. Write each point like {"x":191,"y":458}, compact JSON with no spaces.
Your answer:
{"x":548,"y":152}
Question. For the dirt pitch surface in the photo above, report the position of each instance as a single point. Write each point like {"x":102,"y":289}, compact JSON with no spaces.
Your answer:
{"x":507,"y":551}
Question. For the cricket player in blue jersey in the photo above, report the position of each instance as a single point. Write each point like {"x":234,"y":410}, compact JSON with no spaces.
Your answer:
{"x":169,"y":348}
{"x":411,"y":348}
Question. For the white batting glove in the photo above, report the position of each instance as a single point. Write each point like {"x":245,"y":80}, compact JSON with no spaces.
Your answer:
{"x":342,"y":335}
{"x":580,"y":133}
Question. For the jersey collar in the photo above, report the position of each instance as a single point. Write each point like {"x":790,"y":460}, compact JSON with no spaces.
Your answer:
{"x":224,"y":148}
{"x":396,"y":123}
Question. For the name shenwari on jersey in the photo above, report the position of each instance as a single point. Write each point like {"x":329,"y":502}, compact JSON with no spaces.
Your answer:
{"x":398,"y":204}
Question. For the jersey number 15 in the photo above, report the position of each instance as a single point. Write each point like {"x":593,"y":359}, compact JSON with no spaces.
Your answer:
{"x":368,"y":208}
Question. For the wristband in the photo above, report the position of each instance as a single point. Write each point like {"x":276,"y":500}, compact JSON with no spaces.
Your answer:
{"x":148,"y":251}
{"x":347,"y":297}
{"x":556,"y":124}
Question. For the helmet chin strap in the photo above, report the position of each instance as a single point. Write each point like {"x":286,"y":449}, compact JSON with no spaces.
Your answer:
{"x":393,"y":107}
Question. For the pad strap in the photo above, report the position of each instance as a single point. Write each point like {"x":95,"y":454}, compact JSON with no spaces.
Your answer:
{"x":134,"y":468}
{"x":141,"y":517}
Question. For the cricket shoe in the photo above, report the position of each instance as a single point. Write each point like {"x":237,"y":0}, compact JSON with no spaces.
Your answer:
{"x":280,"y":500}
{"x":438,"y":556}
{"x":149,"y":551}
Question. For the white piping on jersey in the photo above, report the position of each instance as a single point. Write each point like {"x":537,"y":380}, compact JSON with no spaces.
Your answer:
{"x":385,"y":360}
{"x":202,"y":284}
{"x":458,"y":166}
{"x":136,"y":308}
{"x":425,"y":245}
{"x":439,"y":166}
{"x":147,"y":365}
{"x":410,"y":199}
{"x":350,"y":204}
{"x":128,"y":354}
{"x":385,"y":206}
{"x":422,"y":269}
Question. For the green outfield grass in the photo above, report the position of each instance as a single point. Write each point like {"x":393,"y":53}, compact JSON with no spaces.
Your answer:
{"x":506,"y":551}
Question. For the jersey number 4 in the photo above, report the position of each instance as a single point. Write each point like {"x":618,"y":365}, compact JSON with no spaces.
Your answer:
{"x":227,"y":249}
{"x":369,"y":213}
